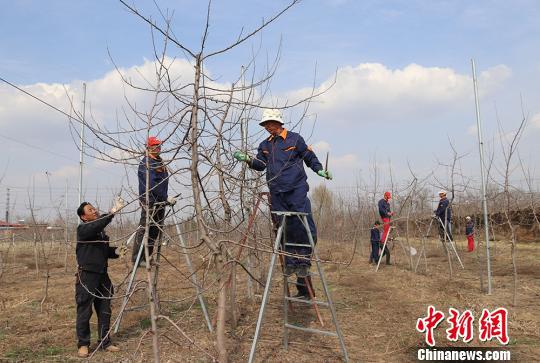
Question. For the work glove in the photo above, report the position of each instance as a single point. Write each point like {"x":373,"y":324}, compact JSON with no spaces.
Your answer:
{"x":171,"y":201}
{"x":325,"y":174}
{"x":118,"y":204}
{"x":121,"y":251}
{"x":240,"y":156}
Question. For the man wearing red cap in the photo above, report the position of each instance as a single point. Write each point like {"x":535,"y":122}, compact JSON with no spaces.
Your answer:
{"x":386,"y":214}
{"x":152,"y":166}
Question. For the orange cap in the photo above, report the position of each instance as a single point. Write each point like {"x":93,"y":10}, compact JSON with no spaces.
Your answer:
{"x":153,"y":141}
{"x":387,"y":195}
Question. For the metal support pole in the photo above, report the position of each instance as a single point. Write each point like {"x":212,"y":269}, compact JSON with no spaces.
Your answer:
{"x":81,"y":156}
{"x":423,"y":245}
{"x":266,"y":291}
{"x":7,"y":206}
{"x":384,"y":246}
{"x":450,"y":241}
{"x":481,"y":150}
{"x":130,"y":283}
{"x":193,"y":276}
{"x":327,"y":291}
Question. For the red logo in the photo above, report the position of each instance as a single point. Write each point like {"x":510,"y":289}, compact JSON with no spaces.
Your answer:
{"x":491,"y":325}
{"x":494,"y":325}
{"x":429,"y":323}
{"x":460,"y":326}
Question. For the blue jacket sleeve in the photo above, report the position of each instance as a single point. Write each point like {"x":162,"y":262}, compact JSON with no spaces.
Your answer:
{"x":469,"y":228}
{"x":375,"y":235}
{"x":142,"y":181}
{"x":141,"y":173}
{"x":441,"y":210}
{"x":308,"y":155}
{"x":260,"y":161}
{"x":384,"y":209}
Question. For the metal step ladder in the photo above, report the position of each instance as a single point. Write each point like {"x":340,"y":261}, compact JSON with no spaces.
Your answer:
{"x":281,"y":240}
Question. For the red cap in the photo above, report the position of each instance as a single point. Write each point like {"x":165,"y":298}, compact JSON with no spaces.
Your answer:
{"x":153,"y":141}
{"x":387,"y":195}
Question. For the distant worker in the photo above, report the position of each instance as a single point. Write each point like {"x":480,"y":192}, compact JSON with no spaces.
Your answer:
{"x":386,"y":214}
{"x":158,"y":185}
{"x":375,"y":239}
{"x":469,"y":231}
{"x":283,"y":154}
{"x":93,"y":285}
{"x":444,"y":216}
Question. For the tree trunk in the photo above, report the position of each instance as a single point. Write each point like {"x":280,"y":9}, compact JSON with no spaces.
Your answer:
{"x":201,"y":227}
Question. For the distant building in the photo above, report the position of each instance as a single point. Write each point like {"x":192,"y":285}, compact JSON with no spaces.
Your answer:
{"x":9,"y":226}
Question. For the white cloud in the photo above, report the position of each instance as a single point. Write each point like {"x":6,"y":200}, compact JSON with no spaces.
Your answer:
{"x":321,"y":147}
{"x":344,"y":162}
{"x":472,"y":130}
{"x":535,"y":120}
{"x":374,"y":92}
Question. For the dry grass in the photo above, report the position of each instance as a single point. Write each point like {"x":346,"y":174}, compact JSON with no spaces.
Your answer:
{"x":377,"y":311}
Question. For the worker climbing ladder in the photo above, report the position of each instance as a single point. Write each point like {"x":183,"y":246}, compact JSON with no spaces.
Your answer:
{"x":279,"y":245}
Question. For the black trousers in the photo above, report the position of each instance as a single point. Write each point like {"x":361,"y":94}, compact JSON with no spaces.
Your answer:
{"x":157,"y":217}
{"x":94,"y":289}
{"x":386,"y":253}
{"x":374,"y":256}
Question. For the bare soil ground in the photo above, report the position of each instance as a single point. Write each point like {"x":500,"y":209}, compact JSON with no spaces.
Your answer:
{"x":377,"y":310}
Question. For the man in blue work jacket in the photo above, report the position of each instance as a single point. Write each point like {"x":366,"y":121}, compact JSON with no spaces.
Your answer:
{"x":158,"y":186}
{"x":444,"y":215}
{"x":283,"y":154}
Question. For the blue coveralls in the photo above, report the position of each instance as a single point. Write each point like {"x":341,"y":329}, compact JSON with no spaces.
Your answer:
{"x":444,"y":213}
{"x":158,"y":188}
{"x":283,"y":157}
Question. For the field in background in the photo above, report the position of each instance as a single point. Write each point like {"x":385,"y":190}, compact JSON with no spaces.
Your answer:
{"x":377,"y":311}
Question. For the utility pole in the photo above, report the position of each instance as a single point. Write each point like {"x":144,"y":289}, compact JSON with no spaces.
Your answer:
{"x":7,"y":206}
{"x":482,"y":172}
{"x":81,"y":157}
{"x":66,"y":236}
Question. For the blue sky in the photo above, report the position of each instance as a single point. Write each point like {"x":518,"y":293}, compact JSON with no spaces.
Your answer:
{"x":403,"y":86}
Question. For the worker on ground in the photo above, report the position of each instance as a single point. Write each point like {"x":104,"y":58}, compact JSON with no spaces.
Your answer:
{"x":283,"y":154}
{"x":153,"y":168}
{"x":385,"y":213}
{"x":444,"y":215}
{"x":93,"y":285}
{"x":469,"y":231}
{"x":375,"y":239}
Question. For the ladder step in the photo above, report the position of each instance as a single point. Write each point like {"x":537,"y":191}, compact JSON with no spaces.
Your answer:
{"x":309,"y":330}
{"x":305,"y":301}
{"x":297,"y":244}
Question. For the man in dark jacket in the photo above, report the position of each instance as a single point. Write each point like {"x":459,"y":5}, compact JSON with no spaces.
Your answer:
{"x":444,"y":215}
{"x":93,"y":285}
{"x":386,"y":214}
{"x":375,"y":239}
{"x":282,"y":155}
{"x":151,"y":166}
